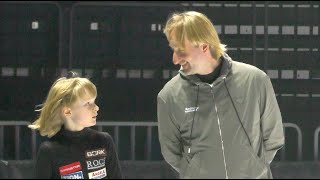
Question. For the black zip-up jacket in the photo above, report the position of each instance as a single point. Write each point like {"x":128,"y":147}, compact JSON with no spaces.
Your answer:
{"x":87,"y":154}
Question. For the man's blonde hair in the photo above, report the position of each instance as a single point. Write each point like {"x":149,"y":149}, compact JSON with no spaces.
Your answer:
{"x":197,"y":28}
{"x":63,"y":93}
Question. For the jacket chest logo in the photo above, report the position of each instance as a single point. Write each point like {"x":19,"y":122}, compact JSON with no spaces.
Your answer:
{"x":191,"y":109}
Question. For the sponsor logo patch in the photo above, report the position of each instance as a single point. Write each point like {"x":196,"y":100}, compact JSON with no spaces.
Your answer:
{"x":98,"y":174}
{"x":70,"y":168}
{"x":96,"y":153}
{"x":95,"y":163}
{"x":76,"y":175}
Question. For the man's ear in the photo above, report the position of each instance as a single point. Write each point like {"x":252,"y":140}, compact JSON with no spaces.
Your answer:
{"x":66,"y":111}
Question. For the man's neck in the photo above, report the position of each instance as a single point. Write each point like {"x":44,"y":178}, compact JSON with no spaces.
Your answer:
{"x":213,"y":75}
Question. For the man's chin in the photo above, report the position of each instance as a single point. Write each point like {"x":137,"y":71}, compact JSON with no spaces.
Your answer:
{"x":188,"y":72}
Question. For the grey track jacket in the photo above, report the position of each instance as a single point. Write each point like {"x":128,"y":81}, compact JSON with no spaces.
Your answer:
{"x":229,"y":129}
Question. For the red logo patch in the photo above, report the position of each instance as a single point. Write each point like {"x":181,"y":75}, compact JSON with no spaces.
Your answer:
{"x":70,"y":168}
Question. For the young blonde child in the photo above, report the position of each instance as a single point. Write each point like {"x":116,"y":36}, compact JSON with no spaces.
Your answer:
{"x":73,"y":150}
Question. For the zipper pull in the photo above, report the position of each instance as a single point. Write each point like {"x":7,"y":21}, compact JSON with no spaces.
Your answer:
{"x":189,"y":150}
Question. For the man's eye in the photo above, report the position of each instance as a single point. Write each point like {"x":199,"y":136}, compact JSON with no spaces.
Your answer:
{"x":180,"y":53}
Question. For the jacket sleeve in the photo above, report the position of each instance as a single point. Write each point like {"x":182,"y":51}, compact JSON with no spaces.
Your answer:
{"x":169,"y":135}
{"x":43,"y":166}
{"x":271,"y":120}
{"x":113,"y":167}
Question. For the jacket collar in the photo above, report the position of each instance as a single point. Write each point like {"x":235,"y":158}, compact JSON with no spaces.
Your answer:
{"x":225,"y":69}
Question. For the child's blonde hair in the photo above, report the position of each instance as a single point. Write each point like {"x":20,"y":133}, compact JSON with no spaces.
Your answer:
{"x":63,"y":93}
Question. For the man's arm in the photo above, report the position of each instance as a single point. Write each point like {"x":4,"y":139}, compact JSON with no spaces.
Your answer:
{"x":271,"y":120}
{"x":169,"y":135}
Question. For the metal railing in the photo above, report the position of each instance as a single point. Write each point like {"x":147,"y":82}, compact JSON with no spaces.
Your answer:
{"x":316,"y":144}
{"x":17,"y":125}
{"x":132,"y":125}
{"x":299,"y":140}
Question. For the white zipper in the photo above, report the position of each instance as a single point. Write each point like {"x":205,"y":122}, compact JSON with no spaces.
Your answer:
{"x":221,"y":139}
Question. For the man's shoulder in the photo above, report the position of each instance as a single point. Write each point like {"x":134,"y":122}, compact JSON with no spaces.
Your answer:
{"x":242,"y":68}
{"x":170,"y":86}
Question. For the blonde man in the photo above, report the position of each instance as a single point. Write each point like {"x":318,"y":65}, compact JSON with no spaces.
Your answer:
{"x":218,"y":118}
{"x":73,"y":151}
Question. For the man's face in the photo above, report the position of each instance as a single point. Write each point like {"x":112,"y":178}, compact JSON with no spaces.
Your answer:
{"x":189,"y":57}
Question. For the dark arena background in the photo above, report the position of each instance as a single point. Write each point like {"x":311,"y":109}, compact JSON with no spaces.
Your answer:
{"x":121,"y":47}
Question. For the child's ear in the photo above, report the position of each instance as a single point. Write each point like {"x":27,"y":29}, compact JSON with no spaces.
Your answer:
{"x":66,"y":111}
{"x":205,"y":47}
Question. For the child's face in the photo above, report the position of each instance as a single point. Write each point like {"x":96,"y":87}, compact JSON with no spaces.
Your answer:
{"x":84,"y":113}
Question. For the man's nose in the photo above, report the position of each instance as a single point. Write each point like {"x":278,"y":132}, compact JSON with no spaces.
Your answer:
{"x":176,"y":59}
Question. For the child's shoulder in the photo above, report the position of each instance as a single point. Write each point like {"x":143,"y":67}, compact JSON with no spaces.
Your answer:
{"x":49,"y":145}
{"x":99,"y":134}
